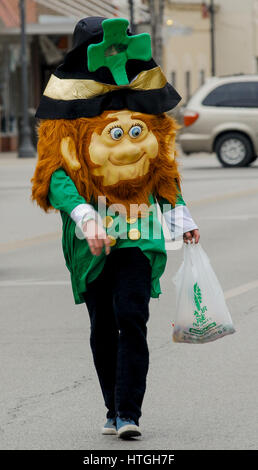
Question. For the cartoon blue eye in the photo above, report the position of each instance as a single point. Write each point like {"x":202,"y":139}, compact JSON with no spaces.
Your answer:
{"x":116,"y":133}
{"x":135,"y":131}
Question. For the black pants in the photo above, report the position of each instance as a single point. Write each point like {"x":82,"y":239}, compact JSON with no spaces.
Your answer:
{"x":118,"y":305}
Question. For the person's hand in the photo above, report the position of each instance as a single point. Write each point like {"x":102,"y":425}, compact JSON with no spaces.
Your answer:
{"x":192,"y":234}
{"x":96,"y":237}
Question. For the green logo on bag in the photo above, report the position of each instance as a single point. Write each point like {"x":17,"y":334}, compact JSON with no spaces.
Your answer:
{"x":199,"y":312}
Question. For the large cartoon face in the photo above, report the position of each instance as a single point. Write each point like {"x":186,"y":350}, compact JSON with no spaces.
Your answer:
{"x":124,"y":148}
{"x":124,"y":155}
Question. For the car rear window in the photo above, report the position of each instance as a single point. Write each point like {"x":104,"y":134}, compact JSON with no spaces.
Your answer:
{"x":236,"y":94}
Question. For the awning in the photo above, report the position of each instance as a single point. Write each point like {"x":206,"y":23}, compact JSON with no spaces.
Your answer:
{"x":82,"y":8}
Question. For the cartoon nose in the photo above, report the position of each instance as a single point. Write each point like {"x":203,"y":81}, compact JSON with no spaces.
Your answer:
{"x":126,"y":154}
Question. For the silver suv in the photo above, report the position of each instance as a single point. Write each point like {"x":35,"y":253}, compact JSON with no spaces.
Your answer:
{"x":222,"y":117}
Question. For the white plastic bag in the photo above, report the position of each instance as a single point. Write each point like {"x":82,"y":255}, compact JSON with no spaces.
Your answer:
{"x":201,"y":311}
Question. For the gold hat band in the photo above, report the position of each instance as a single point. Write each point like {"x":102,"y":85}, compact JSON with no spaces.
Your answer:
{"x":74,"y":88}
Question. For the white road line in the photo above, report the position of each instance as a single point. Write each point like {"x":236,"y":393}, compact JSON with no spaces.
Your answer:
{"x":222,"y":197}
{"x":14,"y":245}
{"x":229,"y":217}
{"x":27,"y":242}
{"x":18,"y":283}
{"x":242,"y":289}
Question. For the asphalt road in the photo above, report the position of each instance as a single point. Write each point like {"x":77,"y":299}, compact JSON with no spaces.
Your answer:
{"x":197,"y":397}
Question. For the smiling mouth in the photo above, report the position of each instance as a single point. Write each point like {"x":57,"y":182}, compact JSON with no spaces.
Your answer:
{"x":115,"y":162}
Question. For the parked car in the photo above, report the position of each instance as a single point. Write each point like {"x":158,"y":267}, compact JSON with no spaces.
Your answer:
{"x":222,"y":117}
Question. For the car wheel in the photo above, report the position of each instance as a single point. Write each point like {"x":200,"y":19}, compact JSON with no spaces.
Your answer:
{"x":234,"y":150}
{"x":253,"y":158}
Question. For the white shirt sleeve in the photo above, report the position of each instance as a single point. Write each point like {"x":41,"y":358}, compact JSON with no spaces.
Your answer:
{"x":78,"y":214}
{"x":179,"y":220}
{"x":80,"y":211}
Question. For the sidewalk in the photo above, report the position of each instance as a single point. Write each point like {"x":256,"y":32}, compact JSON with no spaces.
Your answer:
{"x":12,"y":157}
{"x":8,"y":155}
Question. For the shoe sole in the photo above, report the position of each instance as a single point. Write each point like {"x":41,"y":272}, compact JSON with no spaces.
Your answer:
{"x":129,"y":430}
{"x":109,"y":431}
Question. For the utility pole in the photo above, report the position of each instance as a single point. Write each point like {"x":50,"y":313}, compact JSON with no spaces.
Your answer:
{"x":159,"y":34}
{"x":26,"y":149}
{"x":212,"y":31}
{"x":156,"y":18}
{"x":131,"y":10}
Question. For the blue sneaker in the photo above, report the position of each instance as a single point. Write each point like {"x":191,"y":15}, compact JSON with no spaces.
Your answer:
{"x":126,"y":427}
{"x":110,"y":426}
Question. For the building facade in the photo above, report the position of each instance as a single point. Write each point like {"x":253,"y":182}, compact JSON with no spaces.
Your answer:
{"x":237,"y":37}
{"x":48,"y":38}
{"x":49,"y":29}
{"x":187,"y":41}
{"x":187,"y":51}
{"x":186,"y":46}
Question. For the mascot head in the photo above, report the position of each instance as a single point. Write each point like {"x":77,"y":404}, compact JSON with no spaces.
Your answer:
{"x":103,"y":119}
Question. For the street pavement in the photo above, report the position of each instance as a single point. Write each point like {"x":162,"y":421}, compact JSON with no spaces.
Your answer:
{"x":197,"y":396}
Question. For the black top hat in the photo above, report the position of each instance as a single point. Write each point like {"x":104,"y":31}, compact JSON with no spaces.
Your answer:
{"x":107,"y":68}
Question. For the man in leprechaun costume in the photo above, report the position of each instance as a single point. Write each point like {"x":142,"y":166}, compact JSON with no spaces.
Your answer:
{"x":106,"y":157}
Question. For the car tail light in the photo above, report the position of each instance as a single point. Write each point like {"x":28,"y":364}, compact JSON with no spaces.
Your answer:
{"x":190,"y":117}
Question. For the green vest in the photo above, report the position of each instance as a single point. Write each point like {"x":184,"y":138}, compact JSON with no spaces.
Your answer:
{"x":85,"y":267}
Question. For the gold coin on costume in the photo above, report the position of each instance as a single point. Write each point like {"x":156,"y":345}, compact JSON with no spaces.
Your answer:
{"x":134,"y":234}
{"x":112,"y":240}
{"x":107,"y":221}
{"x":131,"y":220}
